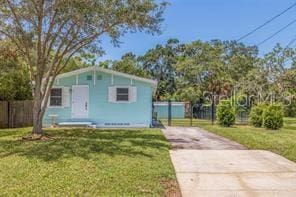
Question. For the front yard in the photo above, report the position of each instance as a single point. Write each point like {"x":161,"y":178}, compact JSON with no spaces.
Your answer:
{"x":282,"y":142}
{"x":86,"y":162}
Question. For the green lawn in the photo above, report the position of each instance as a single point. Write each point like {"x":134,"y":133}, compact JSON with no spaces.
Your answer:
{"x":282,"y":142}
{"x":87,"y":162}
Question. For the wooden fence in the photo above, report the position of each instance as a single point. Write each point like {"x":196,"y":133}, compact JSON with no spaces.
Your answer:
{"x":16,"y":114}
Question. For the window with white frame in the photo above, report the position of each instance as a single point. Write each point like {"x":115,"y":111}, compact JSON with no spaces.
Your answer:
{"x":55,"y":97}
{"x":122,"y":94}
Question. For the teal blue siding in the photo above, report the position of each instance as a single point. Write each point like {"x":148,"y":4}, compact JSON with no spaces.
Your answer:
{"x":178,"y":111}
{"x":100,"y":110}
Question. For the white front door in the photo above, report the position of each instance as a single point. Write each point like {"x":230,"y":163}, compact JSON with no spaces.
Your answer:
{"x":80,"y":104}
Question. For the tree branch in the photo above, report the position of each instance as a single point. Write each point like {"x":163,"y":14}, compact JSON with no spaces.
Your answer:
{"x":24,"y":40}
{"x":56,"y":61}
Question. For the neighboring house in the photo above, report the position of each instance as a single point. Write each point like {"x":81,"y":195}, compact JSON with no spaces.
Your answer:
{"x":100,"y":97}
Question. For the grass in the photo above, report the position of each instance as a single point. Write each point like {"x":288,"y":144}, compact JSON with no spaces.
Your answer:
{"x":88,"y":162}
{"x":282,"y":141}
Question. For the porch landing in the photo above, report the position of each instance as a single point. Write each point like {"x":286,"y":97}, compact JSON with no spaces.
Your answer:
{"x":77,"y":123}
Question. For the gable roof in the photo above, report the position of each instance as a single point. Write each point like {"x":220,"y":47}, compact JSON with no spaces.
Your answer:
{"x":109,"y":71}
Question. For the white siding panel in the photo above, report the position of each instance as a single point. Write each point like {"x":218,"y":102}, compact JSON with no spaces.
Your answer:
{"x":133,"y":94}
{"x":112,"y":94}
{"x":66,"y":96}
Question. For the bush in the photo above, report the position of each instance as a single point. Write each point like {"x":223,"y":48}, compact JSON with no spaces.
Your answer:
{"x":273,"y":117}
{"x":290,"y":110}
{"x":225,"y":113}
{"x":255,"y":117}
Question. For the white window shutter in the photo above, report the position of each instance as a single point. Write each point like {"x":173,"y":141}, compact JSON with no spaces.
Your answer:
{"x":133,"y":94}
{"x":112,"y":94}
{"x":48,"y":102}
{"x":66,"y":96}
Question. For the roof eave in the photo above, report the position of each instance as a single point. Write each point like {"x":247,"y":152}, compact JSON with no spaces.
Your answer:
{"x":82,"y":70}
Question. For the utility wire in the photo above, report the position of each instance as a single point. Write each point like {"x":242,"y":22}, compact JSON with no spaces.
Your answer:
{"x":283,"y":28}
{"x":291,"y":42}
{"x":267,"y":22}
{"x":287,"y":46}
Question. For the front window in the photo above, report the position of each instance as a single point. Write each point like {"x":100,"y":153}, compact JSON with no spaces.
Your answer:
{"x":56,"y":97}
{"x":122,"y":94}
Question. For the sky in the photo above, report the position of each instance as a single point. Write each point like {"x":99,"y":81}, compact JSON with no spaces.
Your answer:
{"x":189,"y":20}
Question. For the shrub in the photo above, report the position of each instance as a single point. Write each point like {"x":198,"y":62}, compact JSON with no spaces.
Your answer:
{"x":255,"y":117}
{"x":273,"y":117}
{"x":290,"y":110}
{"x":225,"y":113}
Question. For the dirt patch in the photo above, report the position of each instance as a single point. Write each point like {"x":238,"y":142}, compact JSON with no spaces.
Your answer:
{"x":35,"y":137}
{"x":172,"y":188}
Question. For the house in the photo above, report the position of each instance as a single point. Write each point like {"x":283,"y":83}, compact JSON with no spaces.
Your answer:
{"x":101,"y":98}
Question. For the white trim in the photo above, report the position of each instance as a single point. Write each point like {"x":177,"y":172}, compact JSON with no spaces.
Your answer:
{"x":80,"y":85}
{"x":76,"y":123}
{"x":112,"y":79}
{"x":48,"y":105}
{"x":132,"y":82}
{"x":77,"y":79}
{"x":73,"y":86}
{"x":112,"y":72}
{"x":94,"y":77}
{"x":153,"y":82}
{"x":127,"y":125}
{"x":55,"y":107}
{"x":166,"y":103}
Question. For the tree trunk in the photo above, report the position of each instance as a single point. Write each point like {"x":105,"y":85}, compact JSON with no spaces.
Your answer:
{"x":37,"y":124}
{"x":37,"y":111}
{"x":37,"y":117}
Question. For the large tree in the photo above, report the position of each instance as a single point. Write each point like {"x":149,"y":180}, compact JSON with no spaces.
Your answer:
{"x":49,"y":32}
{"x":201,"y":64}
{"x":214,"y":67}
{"x":129,"y":64}
{"x":14,"y":78}
{"x":271,"y":78}
{"x":159,"y":62}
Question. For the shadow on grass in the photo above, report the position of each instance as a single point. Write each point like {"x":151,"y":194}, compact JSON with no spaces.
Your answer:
{"x":85,"y":143}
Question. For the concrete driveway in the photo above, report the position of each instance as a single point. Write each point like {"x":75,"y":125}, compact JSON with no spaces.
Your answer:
{"x":196,"y":138}
{"x":209,"y":170}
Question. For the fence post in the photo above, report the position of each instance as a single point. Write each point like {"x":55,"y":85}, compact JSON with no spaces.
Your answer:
{"x":213,"y":105}
{"x":169,"y":112}
{"x":9,"y":114}
{"x":191,"y":111}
